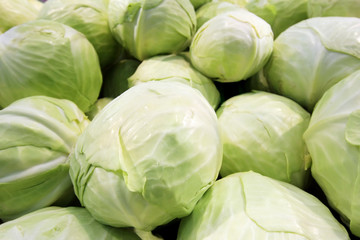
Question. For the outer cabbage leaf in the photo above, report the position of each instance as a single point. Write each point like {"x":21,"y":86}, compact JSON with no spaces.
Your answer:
{"x":178,"y":68}
{"x":148,"y":156}
{"x":88,"y":17}
{"x":263,"y":132}
{"x":232,"y":46}
{"x":148,"y":28}
{"x":42,"y":57}
{"x":323,"y":8}
{"x":311,"y":56}
{"x":280,"y":14}
{"x":333,"y":142}
{"x":56,"y":223}
{"x":212,"y":9}
{"x":38,"y":133}
{"x":16,"y":12}
{"x":248,"y":205}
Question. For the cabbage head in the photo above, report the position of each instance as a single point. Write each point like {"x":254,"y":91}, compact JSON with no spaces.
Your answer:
{"x":311,"y":56}
{"x":37,"y":135}
{"x":232,"y":46}
{"x":56,"y":223}
{"x":152,"y":27}
{"x":324,"y":8}
{"x":333,"y":142}
{"x":89,"y":17}
{"x":263,"y":132}
{"x":16,"y":12}
{"x":212,"y":9}
{"x":43,"y":57}
{"x":280,"y":14}
{"x":250,"y":206}
{"x":175,"y":68}
{"x":148,"y":156}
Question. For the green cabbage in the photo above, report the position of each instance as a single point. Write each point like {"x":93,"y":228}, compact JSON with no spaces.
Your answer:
{"x":232,"y":46}
{"x":16,"y":12}
{"x":263,"y":132}
{"x":55,"y":223}
{"x":37,"y":135}
{"x":250,"y":206}
{"x":333,"y":142}
{"x":42,"y":57}
{"x":311,"y":56}
{"x":152,"y":27}
{"x":88,"y":17}
{"x":280,"y":14}
{"x":212,"y":9}
{"x":323,"y":8}
{"x":175,"y":68}
{"x":148,"y":156}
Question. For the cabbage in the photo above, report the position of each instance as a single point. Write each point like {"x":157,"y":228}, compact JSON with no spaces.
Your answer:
{"x":152,"y":27}
{"x":232,"y":46}
{"x":250,"y":206}
{"x":280,"y":14}
{"x":55,"y":223}
{"x":212,"y":9}
{"x":16,"y":12}
{"x":37,"y":135}
{"x":263,"y":132}
{"x":42,"y":57}
{"x":148,"y":156}
{"x":311,"y":56}
{"x":333,"y":142}
{"x":323,"y":8}
{"x":175,"y":68}
{"x":88,"y":17}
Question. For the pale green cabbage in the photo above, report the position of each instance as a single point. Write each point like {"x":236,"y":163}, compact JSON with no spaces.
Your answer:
{"x":333,"y":142}
{"x":232,"y":46}
{"x":56,"y":223}
{"x":148,"y":156}
{"x":212,"y":9}
{"x":175,"y":68}
{"x":280,"y":14}
{"x":37,"y":135}
{"x":263,"y":132}
{"x":152,"y":27}
{"x":311,"y":56}
{"x":16,"y":12}
{"x":250,"y":206}
{"x":42,"y":57}
{"x":89,"y":17}
{"x":323,"y":8}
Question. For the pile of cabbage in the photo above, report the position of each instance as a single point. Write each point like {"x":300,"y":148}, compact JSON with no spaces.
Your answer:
{"x":179,"y":119}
